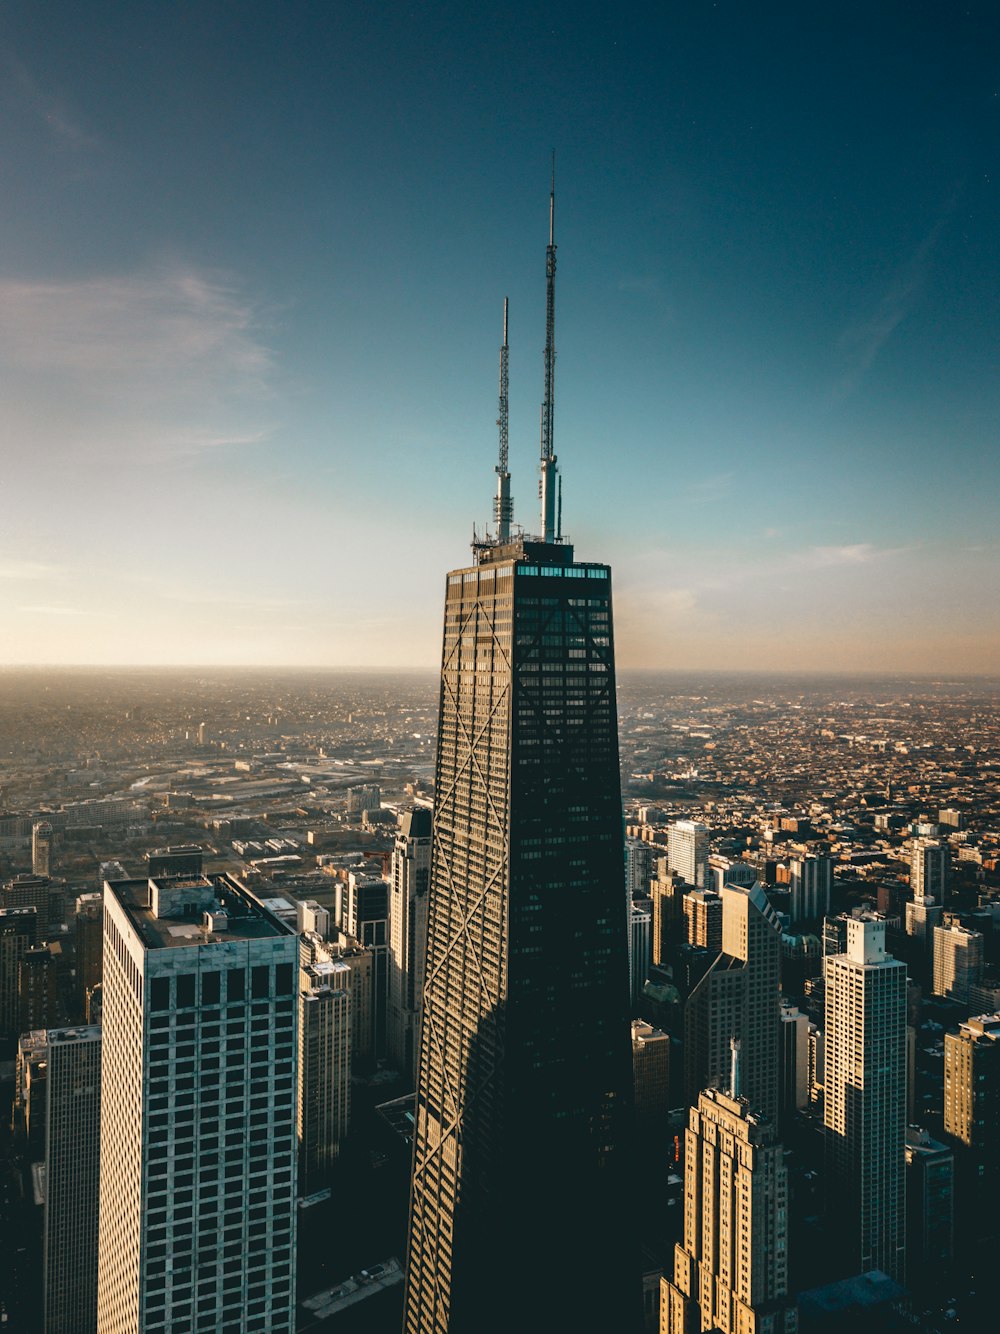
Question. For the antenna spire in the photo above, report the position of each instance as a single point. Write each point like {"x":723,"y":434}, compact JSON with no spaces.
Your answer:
{"x":503,"y":506}
{"x":548,"y":459}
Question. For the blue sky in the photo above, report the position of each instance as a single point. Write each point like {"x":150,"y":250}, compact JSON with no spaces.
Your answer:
{"x":252,"y":270}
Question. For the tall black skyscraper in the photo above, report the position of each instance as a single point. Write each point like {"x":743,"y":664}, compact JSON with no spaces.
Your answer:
{"x":519,"y":1216}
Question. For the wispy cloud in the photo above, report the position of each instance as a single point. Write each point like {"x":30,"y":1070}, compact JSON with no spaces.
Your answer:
{"x":63,"y":122}
{"x":862,"y":341}
{"x":163,"y":363}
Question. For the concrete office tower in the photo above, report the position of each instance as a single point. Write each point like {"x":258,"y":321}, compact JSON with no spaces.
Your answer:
{"x":687,"y":851}
{"x":930,"y":1205}
{"x":363,"y":797}
{"x":360,"y":963}
{"x":198,"y":1144}
{"x":410,"y":879}
{"x":524,"y":1084}
{"x":929,"y":869}
{"x":667,"y":893}
{"x":88,"y":945}
{"x":366,"y":919}
{"x":18,"y":934}
{"x":72,"y":1180}
{"x":650,"y":1077}
{"x":38,"y":987}
{"x":640,"y":948}
{"x":42,"y":862}
{"x":794,"y":1095}
{"x":324,"y":1088}
{"x":810,"y":883}
{"x":865,"y":1098}
{"x":739,"y":997}
{"x":703,"y":916}
{"x":731,"y":1270}
{"x":958,"y":961}
{"x":31,"y":1072}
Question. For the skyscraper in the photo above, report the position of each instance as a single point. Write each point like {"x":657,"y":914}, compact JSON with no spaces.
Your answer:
{"x":687,"y":852}
{"x":410,"y":879}
{"x":864,"y":1106}
{"x":929,"y":869}
{"x":731,"y":1269}
{"x":971,"y":1099}
{"x":41,"y":848}
{"x":18,"y":934}
{"x":958,"y":961}
{"x":703,"y":915}
{"x":72,"y":1179}
{"x":198,"y":1172}
{"x":367,"y":920}
{"x":739,"y":996}
{"x":810,"y":881}
{"x":524,"y":1084}
{"x":324,"y":1089}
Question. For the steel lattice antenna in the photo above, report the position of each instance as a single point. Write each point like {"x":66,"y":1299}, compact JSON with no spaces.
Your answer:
{"x":503,"y":506}
{"x":548,"y":487}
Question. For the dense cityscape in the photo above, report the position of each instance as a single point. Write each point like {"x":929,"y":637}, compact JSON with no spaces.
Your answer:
{"x":870,"y":802}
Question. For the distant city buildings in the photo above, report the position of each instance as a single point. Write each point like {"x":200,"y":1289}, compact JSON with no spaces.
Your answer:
{"x":687,"y":852}
{"x":41,"y":849}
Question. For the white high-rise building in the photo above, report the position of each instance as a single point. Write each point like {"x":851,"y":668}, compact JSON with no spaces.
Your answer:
{"x":72,"y":1179}
{"x":410,"y":878}
{"x":198,"y":1136}
{"x":864,"y":1107}
{"x":810,"y":881}
{"x":922,"y":916}
{"x":687,"y":852}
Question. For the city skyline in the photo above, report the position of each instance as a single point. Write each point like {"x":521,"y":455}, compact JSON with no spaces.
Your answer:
{"x":250,"y":307}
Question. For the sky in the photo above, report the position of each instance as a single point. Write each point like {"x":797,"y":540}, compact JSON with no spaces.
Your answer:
{"x":253,"y":259}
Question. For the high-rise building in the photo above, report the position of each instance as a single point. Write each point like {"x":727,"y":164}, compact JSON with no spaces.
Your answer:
{"x":18,"y":934}
{"x":324,"y":1089}
{"x":198,"y":1141}
{"x":810,"y":882}
{"x":667,"y":893}
{"x":864,"y":1108}
{"x":639,"y":856}
{"x":724,"y":871}
{"x":72,"y":1180}
{"x":971,"y":1100}
{"x":923,"y":914}
{"x":41,"y":849}
{"x":524,"y":1085}
{"x":640,"y":947}
{"x":794,"y":1061}
{"x":929,"y":869}
{"x":650,"y":1077}
{"x":312,"y":916}
{"x":186,"y":860}
{"x":930,"y":1205}
{"x":410,"y":880}
{"x":739,"y":997}
{"x":88,"y":945}
{"x":38,"y":987}
{"x":958,"y":961}
{"x":731,"y":1268}
{"x":687,"y":851}
{"x":40,"y":893}
{"x":360,"y":961}
{"x":703,"y":915}
{"x":367,"y":921}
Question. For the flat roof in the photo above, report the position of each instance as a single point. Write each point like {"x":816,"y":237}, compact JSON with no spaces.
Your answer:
{"x":238,"y":915}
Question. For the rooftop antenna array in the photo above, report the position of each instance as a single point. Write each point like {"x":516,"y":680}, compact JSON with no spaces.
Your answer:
{"x":551,"y":529}
{"x":503,"y":506}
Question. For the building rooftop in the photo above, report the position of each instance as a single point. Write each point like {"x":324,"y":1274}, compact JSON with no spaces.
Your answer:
{"x":172,"y":911}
